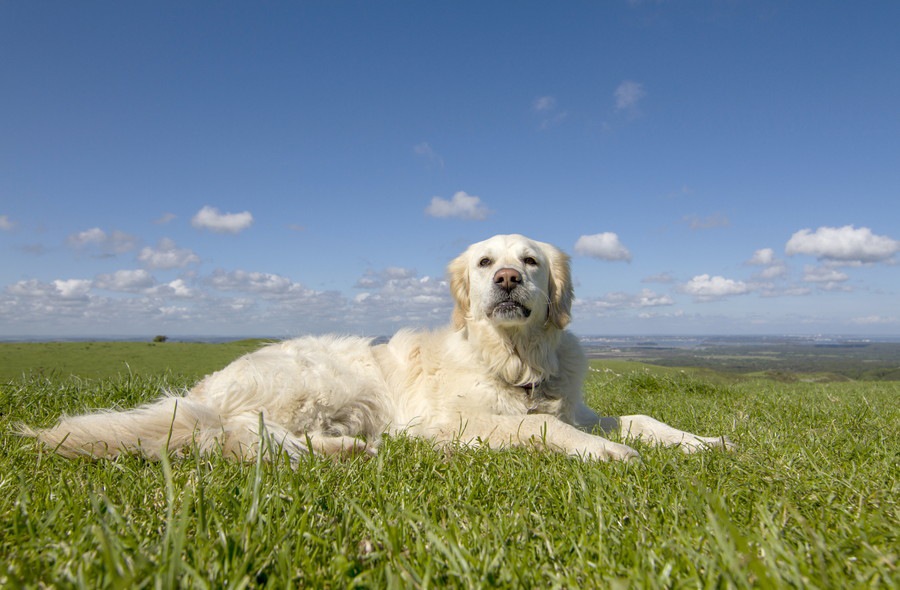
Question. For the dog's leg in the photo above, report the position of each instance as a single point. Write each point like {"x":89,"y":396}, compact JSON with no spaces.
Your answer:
{"x":343,"y":446}
{"x":535,"y":429}
{"x":654,"y":432}
{"x":243,"y":441}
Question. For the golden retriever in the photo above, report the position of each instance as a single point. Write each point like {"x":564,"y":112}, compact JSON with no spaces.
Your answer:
{"x":506,"y":372}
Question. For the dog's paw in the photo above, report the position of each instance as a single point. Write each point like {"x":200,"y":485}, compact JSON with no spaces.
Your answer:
{"x":609,"y":451}
{"x":692,"y":443}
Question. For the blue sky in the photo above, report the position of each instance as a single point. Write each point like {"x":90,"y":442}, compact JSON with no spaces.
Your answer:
{"x":282,"y":168}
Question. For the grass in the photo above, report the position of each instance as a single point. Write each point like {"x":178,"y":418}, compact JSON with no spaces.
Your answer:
{"x":99,"y":359}
{"x":810,"y":499}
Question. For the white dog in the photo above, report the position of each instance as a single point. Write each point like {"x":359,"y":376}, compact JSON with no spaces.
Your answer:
{"x":505,"y":373}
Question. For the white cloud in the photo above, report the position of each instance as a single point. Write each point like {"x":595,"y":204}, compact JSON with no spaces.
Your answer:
{"x":774,"y":271}
{"x":73,"y":288}
{"x":262,"y":283}
{"x":396,"y":297}
{"x":178,"y":288}
{"x":462,"y":206}
{"x":648,"y":298}
{"x":763,"y":257}
{"x":165,"y":218}
{"x":774,"y":268}
{"x":210,"y":218}
{"x":628,"y":94}
{"x":706,"y":288}
{"x":29,"y":288}
{"x":167,"y":255}
{"x":823,"y":275}
{"x":95,"y":235}
{"x":846,"y":244}
{"x":117,"y":242}
{"x":695,"y":222}
{"x":605,"y":246}
{"x":6,"y":224}
{"x":617,"y":301}
{"x":34,"y":303}
{"x":377,"y":279}
{"x":128,"y":281}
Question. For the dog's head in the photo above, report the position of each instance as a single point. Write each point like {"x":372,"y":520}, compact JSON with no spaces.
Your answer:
{"x":511,"y":281}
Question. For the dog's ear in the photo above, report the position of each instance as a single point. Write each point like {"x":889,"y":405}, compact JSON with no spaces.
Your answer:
{"x":459,"y":288}
{"x":561,"y":290}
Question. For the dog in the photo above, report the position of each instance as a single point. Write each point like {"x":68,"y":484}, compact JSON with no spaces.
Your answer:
{"x":504,"y":373}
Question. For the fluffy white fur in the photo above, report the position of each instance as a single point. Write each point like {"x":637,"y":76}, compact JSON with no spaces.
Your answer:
{"x":505,"y":373}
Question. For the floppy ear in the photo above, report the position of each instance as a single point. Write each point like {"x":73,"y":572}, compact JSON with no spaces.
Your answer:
{"x":561,"y":291}
{"x":459,"y":288}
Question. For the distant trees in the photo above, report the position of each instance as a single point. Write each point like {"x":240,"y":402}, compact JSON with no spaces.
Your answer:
{"x":160,"y":338}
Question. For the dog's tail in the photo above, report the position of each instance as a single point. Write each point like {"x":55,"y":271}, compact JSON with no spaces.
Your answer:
{"x":167,"y":425}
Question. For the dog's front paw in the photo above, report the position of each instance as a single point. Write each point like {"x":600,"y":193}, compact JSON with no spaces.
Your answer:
{"x":692,"y":443}
{"x":609,"y":451}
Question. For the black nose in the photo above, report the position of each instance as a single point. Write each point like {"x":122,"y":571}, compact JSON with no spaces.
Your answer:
{"x":508,"y":279}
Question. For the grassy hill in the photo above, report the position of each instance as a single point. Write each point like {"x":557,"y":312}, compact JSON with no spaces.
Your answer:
{"x":105,"y":358}
{"x":809,"y":498}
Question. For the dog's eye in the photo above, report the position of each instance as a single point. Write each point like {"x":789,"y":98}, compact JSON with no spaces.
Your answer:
{"x":530,"y":261}
{"x":485,"y":262}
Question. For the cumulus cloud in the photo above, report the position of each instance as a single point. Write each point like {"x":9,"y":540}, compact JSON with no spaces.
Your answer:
{"x":773,"y":268}
{"x":32,"y":302}
{"x":823,"y":274}
{"x":95,"y":235}
{"x":210,"y":218}
{"x":461,"y":206}
{"x":165,"y":218}
{"x":6,"y":224}
{"x":774,"y":271}
{"x":605,"y":246}
{"x":128,"y":281}
{"x":648,"y":298}
{"x":706,"y":288}
{"x":845,"y":245}
{"x":73,"y":288}
{"x":178,"y":288}
{"x":599,"y":306}
{"x":628,"y":94}
{"x":116,"y":242}
{"x":262,"y":283}
{"x":377,"y":279}
{"x":397,"y":297}
{"x":167,"y":256}
{"x":28,"y":288}
{"x":763,"y":257}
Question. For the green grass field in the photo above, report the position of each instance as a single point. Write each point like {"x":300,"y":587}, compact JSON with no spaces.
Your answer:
{"x":809,"y":499}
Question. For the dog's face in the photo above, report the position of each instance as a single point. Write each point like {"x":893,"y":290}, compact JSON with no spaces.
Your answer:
{"x":511,"y":281}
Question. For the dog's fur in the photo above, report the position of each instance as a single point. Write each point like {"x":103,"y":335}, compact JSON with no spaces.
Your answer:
{"x":505,"y":373}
